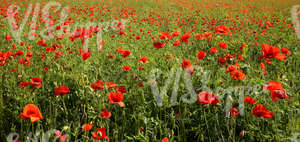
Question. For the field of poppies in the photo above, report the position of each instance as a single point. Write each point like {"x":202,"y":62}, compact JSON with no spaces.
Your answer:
{"x":150,"y":70}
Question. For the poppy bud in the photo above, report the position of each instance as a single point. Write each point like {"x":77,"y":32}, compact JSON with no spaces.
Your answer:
{"x":242,"y":133}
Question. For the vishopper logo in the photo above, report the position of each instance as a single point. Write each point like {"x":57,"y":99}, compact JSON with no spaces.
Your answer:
{"x":48,"y":136}
{"x":191,"y":96}
{"x":295,"y":12}
{"x":52,"y":30}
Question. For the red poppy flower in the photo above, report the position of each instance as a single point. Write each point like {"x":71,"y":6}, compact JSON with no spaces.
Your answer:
{"x":268,"y":62}
{"x":229,"y":56}
{"x":13,"y":70}
{"x":199,"y":36}
{"x":116,"y":98}
{"x":119,"y":50}
{"x":141,"y":128}
{"x":175,"y":33}
{"x":24,"y":84}
{"x":206,"y":97}
{"x":201,"y":55}
{"x":110,"y":84}
{"x":61,"y":90}
{"x":231,"y":68}
{"x":105,"y":113}
{"x":185,"y":38}
{"x":125,"y":53}
{"x":213,"y":50}
{"x":277,"y":92}
{"x":222,"y":29}
{"x":81,"y":51}
{"x":42,"y":42}
{"x":13,"y":46}
{"x":165,"y":139}
{"x":159,"y":45}
{"x":121,"y":89}
{"x":50,"y":49}
{"x":122,"y":33}
{"x":285,"y":51}
{"x":207,"y":35}
{"x":249,"y":100}
{"x":32,"y":112}
{"x":176,"y":43}
{"x":126,"y":68}
{"x":234,"y":112}
{"x":45,"y":69}
{"x":262,"y":66}
{"x":110,"y":56}
{"x":261,"y":111}
{"x":98,"y":85}
{"x":141,"y":84}
{"x":63,"y":138}
{"x":222,"y":61}
{"x":19,"y":53}
{"x":185,"y":64}
{"x":85,"y":55}
{"x":165,"y":36}
{"x":269,"y":24}
{"x":138,"y":37}
{"x":271,"y":52}
{"x":223,"y":45}
{"x":8,"y":37}
{"x":100,"y":134}
{"x":239,"y":75}
{"x":57,"y":55}
{"x":36,"y":82}
{"x":143,"y":60}
{"x":21,"y":61}
{"x":3,"y":58}
{"x":87,"y":127}
{"x":43,"y":55}
{"x":242,"y":47}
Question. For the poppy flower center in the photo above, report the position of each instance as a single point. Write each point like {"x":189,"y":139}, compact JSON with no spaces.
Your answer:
{"x":30,"y":112}
{"x":116,"y":99}
{"x":280,"y":93}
